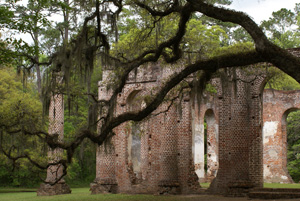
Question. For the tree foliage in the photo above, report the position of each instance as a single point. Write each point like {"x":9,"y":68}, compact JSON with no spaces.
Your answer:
{"x":20,"y":117}
{"x":283,"y":27}
{"x":293,"y":139}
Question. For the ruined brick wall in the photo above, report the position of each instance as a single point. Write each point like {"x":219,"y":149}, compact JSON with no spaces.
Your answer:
{"x":169,"y":157}
{"x":277,"y":105}
{"x":240,"y":137}
{"x":152,"y":156}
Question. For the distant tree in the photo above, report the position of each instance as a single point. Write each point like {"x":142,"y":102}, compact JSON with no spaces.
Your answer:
{"x":282,"y":28}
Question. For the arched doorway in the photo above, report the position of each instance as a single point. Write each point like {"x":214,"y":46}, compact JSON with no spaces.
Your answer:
{"x":135,"y":132}
{"x":206,"y":147}
{"x":211,"y":145}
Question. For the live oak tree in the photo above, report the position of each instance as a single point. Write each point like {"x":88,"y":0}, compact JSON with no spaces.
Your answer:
{"x":99,"y":31}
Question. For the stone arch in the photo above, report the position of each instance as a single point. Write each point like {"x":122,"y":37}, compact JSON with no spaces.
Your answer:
{"x":130,"y":92}
{"x":286,"y":114}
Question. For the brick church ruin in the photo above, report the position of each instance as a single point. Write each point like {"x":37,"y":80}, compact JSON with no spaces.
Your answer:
{"x":245,"y":137}
{"x":241,"y":126}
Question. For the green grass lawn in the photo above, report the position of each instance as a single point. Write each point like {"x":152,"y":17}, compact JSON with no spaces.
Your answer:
{"x":7,"y":190}
{"x":83,"y":194}
{"x":204,"y":185}
{"x":266,"y":185}
{"x":275,"y":185}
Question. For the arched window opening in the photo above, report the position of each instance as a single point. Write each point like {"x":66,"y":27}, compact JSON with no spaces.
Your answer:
{"x":134,"y":145}
{"x":206,"y":148}
{"x":134,"y":151}
{"x":211,"y":145}
{"x":291,"y":127}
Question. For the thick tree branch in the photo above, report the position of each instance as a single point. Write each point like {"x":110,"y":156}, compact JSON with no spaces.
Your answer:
{"x":175,"y":7}
{"x":270,"y":52}
{"x":212,"y":65}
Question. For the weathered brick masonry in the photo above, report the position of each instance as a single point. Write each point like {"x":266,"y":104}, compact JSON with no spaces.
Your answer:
{"x":205,"y":109}
{"x":55,"y":172}
{"x":277,"y":106}
{"x":152,"y":156}
{"x":171,"y":144}
{"x":164,"y":152}
{"x":240,"y":137}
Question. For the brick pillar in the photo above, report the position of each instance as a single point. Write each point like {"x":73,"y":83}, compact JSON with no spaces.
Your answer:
{"x":105,"y":181}
{"x":188,"y":178}
{"x":168,"y":177}
{"x":240,"y":134}
{"x":54,"y":172}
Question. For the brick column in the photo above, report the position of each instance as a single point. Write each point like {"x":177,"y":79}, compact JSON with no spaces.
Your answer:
{"x":168,"y":177}
{"x":54,"y":172}
{"x":240,"y":134}
{"x":105,"y":181}
{"x":188,"y":178}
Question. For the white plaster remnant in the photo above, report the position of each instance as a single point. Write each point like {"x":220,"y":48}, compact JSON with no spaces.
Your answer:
{"x":199,"y":150}
{"x":273,"y":153}
{"x":284,"y":177}
{"x":267,"y":172}
{"x":200,"y":173}
{"x":269,"y":129}
{"x":217,"y":132}
{"x":213,"y":157}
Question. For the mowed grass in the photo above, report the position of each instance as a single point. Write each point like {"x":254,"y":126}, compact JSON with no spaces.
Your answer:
{"x":276,"y":185}
{"x":83,"y":194}
{"x":204,"y":185}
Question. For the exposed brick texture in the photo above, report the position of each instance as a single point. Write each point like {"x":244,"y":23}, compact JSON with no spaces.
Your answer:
{"x":165,"y":156}
{"x":240,"y":137}
{"x":54,"y":172}
{"x":277,"y":106}
{"x":169,"y":157}
{"x":205,"y":108}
